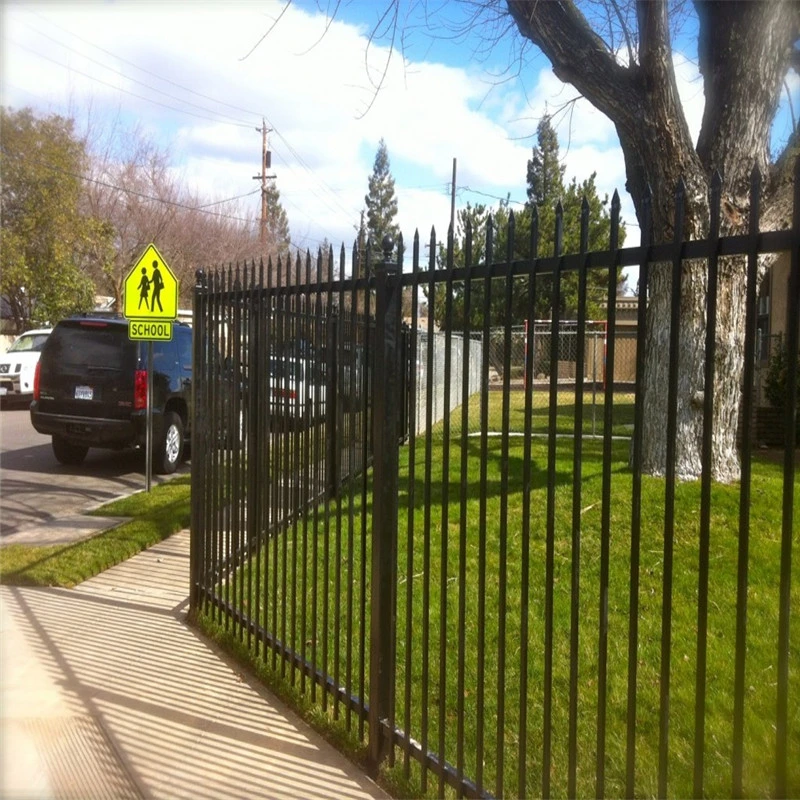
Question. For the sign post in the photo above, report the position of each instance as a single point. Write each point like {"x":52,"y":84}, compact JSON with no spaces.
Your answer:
{"x":150,"y":306}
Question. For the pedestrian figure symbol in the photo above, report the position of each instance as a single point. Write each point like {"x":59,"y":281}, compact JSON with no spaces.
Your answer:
{"x":151,"y":288}
{"x":158,"y":285}
{"x":144,"y":288}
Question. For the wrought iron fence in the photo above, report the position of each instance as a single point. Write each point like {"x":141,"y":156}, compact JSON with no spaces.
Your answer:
{"x":482,"y":585}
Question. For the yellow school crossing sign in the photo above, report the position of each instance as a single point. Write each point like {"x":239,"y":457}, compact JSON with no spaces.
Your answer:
{"x":151,"y":297}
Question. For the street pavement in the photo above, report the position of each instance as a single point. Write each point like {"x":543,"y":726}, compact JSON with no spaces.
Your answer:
{"x":108,"y":693}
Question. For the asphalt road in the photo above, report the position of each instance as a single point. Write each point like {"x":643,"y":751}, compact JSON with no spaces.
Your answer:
{"x":35,"y":490}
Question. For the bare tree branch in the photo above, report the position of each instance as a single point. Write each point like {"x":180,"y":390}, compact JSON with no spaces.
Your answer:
{"x":577,"y":54}
{"x":269,"y":30}
{"x":329,"y":21}
{"x":393,"y":6}
{"x":626,"y":32}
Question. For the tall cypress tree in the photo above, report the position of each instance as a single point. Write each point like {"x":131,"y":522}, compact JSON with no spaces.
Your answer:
{"x":545,"y":174}
{"x":278,"y":237}
{"x":381,"y":203}
{"x":546,"y":188}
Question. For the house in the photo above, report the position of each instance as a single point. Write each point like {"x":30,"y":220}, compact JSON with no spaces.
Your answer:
{"x":771,"y":331}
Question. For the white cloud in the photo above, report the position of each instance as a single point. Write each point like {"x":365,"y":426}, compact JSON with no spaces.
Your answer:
{"x":312,"y":87}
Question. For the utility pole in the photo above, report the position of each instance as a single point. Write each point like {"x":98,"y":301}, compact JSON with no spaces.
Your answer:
{"x":266,"y":163}
{"x":362,"y":257}
{"x":453,"y":201}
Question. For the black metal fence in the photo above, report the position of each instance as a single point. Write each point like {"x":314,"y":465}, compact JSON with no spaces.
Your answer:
{"x":483,"y":586}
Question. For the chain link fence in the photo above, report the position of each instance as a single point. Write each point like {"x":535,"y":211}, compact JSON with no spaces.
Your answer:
{"x":486,"y":364}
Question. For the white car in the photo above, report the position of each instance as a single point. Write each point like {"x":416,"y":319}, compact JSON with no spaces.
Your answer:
{"x":297,"y":389}
{"x":18,"y":365}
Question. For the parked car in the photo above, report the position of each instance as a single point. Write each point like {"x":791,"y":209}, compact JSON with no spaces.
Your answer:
{"x":18,"y":366}
{"x":353,"y":375}
{"x":296,"y":388}
{"x":91,"y":390}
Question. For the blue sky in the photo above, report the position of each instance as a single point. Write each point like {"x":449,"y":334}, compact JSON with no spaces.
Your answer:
{"x":194,"y":77}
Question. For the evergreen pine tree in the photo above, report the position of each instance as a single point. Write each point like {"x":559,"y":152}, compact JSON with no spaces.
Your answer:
{"x":545,"y":174}
{"x":277,"y":222}
{"x":546,"y":187}
{"x":381,"y":203}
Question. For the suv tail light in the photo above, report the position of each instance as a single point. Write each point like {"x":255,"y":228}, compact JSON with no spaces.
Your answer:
{"x":140,"y":390}
{"x":36,"y":375}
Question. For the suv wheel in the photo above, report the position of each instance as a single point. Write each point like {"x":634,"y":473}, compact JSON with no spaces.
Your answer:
{"x":169,"y":452}
{"x":68,"y":453}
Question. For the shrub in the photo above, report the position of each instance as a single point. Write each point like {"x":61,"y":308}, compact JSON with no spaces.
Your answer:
{"x":775,"y":383}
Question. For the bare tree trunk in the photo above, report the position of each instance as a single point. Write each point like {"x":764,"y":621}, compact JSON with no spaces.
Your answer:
{"x":745,"y":50}
{"x":728,"y":370}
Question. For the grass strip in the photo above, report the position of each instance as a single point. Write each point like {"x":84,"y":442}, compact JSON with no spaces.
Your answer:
{"x":155,"y":516}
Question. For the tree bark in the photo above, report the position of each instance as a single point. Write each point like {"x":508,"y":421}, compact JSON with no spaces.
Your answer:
{"x":745,"y":50}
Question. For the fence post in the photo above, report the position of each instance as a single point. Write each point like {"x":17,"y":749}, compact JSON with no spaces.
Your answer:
{"x":333,"y":456}
{"x":383,"y":582}
{"x":199,"y":426}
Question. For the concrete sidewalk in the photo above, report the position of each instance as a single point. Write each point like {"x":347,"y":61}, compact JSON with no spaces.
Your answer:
{"x":106,"y":692}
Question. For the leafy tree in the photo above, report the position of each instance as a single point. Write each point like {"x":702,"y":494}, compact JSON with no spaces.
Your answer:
{"x":46,"y":242}
{"x":471,"y":224}
{"x":776,"y":381}
{"x":381,"y":203}
{"x":545,"y":189}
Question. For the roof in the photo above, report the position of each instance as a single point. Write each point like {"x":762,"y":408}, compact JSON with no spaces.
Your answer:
{"x":35,"y":331}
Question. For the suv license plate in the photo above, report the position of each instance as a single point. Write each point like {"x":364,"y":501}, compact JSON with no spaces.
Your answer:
{"x":84,"y":393}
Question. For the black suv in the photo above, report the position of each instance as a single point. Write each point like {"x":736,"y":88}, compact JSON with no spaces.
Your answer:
{"x":90,"y":390}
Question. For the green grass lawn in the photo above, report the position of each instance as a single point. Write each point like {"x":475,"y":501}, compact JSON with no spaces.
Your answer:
{"x":162,"y":512}
{"x":492,"y":628}
{"x":593,"y":408}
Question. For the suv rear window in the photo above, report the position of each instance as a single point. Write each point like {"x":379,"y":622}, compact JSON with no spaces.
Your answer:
{"x":92,"y":344}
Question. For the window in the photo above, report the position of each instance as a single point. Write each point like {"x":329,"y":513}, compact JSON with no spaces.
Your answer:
{"x":762,"y":320}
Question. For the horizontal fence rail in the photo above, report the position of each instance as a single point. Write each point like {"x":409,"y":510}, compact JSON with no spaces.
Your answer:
{"x":440,"y":525}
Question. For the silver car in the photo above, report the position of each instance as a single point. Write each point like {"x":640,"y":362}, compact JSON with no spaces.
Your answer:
{"x":297,"y":390}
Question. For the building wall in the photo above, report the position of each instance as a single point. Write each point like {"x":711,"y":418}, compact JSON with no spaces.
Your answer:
{"x":779,"y":295}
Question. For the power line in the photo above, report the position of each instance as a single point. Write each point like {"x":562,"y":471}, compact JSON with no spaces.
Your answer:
{"x":122,"y":74}
{"x":283,"y":139}
{"x":226,"y":200}
{"x":492,"y":196}
{"x":308,"y":169}
{"x":174,"y":203}
{"x":150,"y":72}
{"x":132,"y":94}
{"x":300,"y":160}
